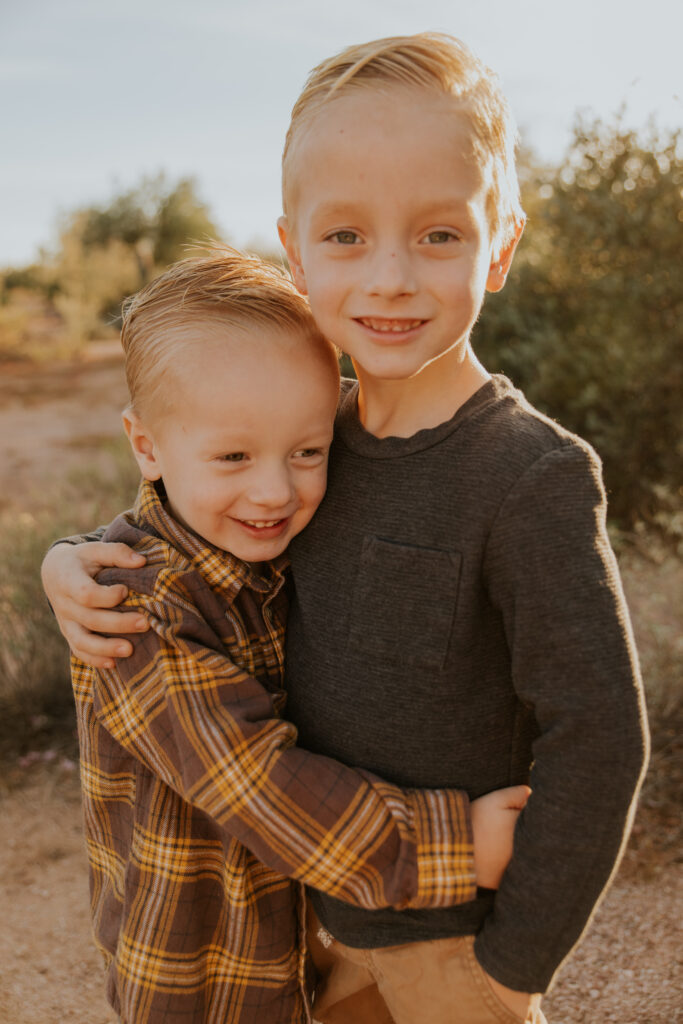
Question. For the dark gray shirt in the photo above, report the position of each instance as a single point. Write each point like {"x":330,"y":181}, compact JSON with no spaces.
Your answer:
{"x":458,"y":621}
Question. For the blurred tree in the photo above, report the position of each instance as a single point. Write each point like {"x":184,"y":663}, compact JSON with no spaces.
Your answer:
{"x":153,"y":220}
{"x":181,"y":219}
{"x":591,"y":322}
{"x":104,"y":254}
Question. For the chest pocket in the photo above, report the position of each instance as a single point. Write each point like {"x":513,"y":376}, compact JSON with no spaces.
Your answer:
{"x":404,"y":603}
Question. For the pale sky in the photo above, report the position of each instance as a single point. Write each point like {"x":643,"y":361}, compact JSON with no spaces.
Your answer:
{"x":97,"y":94}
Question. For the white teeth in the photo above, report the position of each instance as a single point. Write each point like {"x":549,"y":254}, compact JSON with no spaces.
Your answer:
{"x":261,"y":525}
{"x":390,"y":326}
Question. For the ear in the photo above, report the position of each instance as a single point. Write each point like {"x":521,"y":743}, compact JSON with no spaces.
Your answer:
{"x":290,"y":247}
{"x":498,"y":271}
{"x":142,"y":443}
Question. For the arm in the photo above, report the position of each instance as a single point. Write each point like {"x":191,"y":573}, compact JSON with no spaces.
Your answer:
{"x":81,"y":604}
{"x":552,"y":574}
{"x":198,"y":721}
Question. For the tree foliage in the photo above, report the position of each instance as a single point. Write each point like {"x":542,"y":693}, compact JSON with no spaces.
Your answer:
{"x":590,"y":324}
{"x":104,"y":253}
{"x":154,"y":221}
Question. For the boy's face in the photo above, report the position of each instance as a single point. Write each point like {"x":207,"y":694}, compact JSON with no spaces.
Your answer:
{"x":243,"y":450}
{"x":390,"y":236}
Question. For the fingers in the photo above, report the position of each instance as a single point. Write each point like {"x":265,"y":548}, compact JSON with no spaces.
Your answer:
{"x":68,"y":572}
{"x":98,"y":651}
{"x":511,"y":798}
{"x":517,"y":796}
{"x":84,"y":592}
{"x":82,"y":606}
{"x":83,"y":635}
{"x":104,"y":554}
{"x":81,"y":627}
{"x":98,"y":621}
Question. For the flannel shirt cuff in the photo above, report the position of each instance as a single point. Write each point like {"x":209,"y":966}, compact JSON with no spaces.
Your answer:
{"x":445,"y":848}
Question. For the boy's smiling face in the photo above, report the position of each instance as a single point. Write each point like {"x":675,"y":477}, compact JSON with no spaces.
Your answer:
{"x":389,"y":234}
{"x":242,"y":447}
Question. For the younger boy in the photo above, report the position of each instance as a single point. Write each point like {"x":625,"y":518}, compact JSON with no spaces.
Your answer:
{"x":196,"y":800}
{"x":458,"y":618}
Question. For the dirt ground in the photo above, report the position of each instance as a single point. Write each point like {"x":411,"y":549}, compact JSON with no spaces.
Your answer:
{"x":626,"y":971}
{"x":52,"y":418}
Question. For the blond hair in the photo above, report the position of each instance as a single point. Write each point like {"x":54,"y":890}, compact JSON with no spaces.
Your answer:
{"x":224,"y":288}
{"x":427,"y":60}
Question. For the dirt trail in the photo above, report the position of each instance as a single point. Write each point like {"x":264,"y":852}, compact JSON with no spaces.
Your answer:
{"x":53,"y":417}
{"x":627,"y":970}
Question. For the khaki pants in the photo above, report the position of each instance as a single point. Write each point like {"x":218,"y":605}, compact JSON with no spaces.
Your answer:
{"x":437,"y":982}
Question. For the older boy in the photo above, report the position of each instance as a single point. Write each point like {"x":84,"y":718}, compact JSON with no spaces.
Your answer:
{"x":458,"y":615}
{"x":189,"y":774}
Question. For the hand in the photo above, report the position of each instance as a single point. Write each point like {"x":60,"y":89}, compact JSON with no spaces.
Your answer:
{"x":494,"y":817}
{"x":517,"y":1002}
{"x":78,"y":602}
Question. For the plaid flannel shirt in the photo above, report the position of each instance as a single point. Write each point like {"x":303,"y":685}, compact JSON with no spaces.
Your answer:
{"x":201,"y":814}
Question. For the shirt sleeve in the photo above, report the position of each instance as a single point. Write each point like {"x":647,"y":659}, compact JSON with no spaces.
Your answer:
{"x":210,"y":731}
{"x":81,"y":538}
{"x":552,"y":574}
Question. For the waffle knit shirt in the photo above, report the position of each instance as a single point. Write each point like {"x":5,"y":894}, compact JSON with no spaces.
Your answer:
{"x":459,"y":621}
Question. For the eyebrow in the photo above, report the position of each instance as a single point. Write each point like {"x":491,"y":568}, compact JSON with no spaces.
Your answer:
{"x":337,"y":209}
{"x":350,"y":208}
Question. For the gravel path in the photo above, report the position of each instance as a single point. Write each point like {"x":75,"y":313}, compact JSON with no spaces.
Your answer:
{"x":627,"y":970}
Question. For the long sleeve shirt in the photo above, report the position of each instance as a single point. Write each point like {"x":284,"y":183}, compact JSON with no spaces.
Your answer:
{"x":201,"y":813}
{"x":459,"y":621}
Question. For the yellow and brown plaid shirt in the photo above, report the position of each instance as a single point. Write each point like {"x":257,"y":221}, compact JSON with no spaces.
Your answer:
{"x":202,"y":816}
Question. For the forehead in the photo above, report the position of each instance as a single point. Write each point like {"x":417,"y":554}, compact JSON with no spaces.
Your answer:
{"x":370,"y":139}
{"x":238,"y":386}
{"x":213,"y":357}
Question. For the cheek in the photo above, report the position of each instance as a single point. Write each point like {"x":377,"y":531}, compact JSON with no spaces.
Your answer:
{"x":313,"y":492}
{"x":326,"y":288}
{"x":215,"y":495}
{"x":466,"y":288}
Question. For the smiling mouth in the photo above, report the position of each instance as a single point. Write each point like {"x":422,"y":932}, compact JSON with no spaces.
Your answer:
{"x":263,"y":524}
{"x":386,"y":325}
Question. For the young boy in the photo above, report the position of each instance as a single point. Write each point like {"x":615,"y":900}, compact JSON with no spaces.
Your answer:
{"x":458,"y":618}
{"x":196,"y":799}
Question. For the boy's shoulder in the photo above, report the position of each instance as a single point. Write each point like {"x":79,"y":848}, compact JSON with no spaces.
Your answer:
{"x":166,"y":568}
{"x":517,"y":428}
{"x":507,"y":439}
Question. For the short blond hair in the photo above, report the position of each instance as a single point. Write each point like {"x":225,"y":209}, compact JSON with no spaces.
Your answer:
{"x":226,"y":288}
{"x":435,"y":61}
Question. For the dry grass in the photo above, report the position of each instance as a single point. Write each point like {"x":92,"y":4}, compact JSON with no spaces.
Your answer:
{"x":653,"y":581}
{"x":36,"y":707}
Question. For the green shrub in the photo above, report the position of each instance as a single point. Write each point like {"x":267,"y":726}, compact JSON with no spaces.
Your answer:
{"x":590,"y":325}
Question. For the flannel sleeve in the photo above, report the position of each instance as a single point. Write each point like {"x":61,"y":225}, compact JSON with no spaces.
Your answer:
{"x":210,"y":731}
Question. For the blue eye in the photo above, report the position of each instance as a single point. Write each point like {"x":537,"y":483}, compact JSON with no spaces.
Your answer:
{"x":439,"y":237}
{"x":344,"y":238}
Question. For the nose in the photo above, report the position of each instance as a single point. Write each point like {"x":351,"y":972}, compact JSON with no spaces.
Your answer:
{"x":272,"y":487}
{"x":391,"y":272}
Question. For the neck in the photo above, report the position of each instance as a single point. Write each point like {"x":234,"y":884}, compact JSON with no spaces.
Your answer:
{"x":400,"y":408}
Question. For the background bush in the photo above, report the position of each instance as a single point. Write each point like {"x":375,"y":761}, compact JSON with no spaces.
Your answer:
{"x":590,"y":324}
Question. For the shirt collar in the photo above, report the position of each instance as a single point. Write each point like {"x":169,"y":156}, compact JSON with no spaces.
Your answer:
{"x":222,"y":570}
